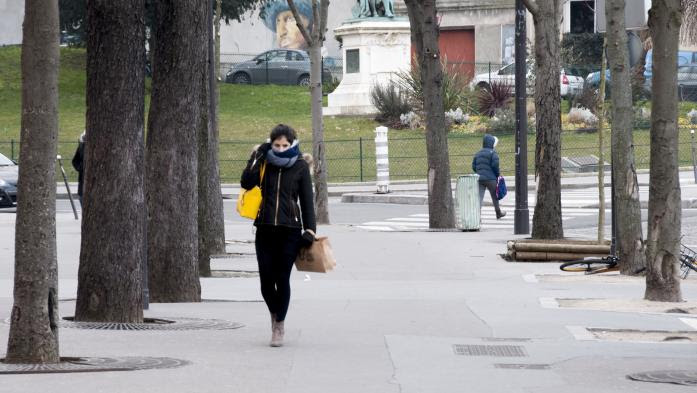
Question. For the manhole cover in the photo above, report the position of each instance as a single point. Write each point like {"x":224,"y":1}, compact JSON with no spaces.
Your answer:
{"x":513,"y":366}
{"x":678,"y":377}
{"x":82,"y":365}
{"x":490,"y":350}
{"x":152,"y":324}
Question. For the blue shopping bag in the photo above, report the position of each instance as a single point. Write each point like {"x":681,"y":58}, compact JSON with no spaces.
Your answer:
{"x":501,"y":189}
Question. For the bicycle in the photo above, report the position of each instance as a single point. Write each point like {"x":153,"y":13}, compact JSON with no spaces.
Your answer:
{"x":688,"y":260}
{"x":592,"y":265}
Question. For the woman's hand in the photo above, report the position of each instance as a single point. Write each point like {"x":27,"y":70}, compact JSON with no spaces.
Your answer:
{"x":307,"y":238}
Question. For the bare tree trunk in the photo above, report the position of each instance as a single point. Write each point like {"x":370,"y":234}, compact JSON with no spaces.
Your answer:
{"x":34,"y":323}
{"x":601,"y":147}
{"x":663,"y":243}
{"x":113,"y":223}
{"x":318,"y":146}
{"x":630,"y":243}
{"x":211,"y":228}
{"x":218,"y":11}
{"x":424,"y":38}
{"x":172,"y":155}
{"x":546,"y":221}
{"x":315,"y":42}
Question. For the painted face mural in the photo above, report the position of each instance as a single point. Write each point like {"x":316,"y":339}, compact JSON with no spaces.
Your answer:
{"x":279,"y":19}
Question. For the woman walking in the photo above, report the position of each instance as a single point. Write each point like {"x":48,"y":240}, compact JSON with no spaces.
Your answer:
{"x":486,"y":164}
{"x":284,"y":180}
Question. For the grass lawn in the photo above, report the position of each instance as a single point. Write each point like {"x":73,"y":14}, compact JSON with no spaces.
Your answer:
{"x":247,"y":113}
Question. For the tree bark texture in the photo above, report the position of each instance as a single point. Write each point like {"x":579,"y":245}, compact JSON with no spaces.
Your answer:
{"x":315,"y":40}
{"x":601,"y":147}
{"x":218,"y":11}
{"x":33,"y":334}
{"x":424,"y":39}
{"x":630,"y":243}
{"x":113,"y":223}
{"x":663,"y":242}
{"x":180,"y":66}
{"x":546,"y":221}
{"x":211,"y":228}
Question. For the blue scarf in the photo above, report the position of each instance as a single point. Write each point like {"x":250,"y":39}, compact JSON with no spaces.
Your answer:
{"x":284,"y":159}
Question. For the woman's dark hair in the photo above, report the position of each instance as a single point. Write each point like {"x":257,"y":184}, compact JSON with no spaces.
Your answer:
{"x":283,"y":130}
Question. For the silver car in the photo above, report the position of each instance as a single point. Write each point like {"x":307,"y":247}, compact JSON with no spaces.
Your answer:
{"x":277,"y":66}
{"x":9,"y":173}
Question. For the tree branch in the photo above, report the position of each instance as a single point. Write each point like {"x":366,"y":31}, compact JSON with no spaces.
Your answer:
{"x":324,"y":10}
{"x":299,"y":21}
{"x":532,"y":6}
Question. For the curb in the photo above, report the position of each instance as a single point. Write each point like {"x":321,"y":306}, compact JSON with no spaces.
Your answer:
{"x":400,"y":199}
{"x":684,"y":204}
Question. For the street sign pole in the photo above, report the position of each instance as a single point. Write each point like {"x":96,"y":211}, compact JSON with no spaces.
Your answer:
{"x":522,"y":214}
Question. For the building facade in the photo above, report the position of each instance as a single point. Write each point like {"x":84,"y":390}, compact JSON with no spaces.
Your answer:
{"x":11,"y":18}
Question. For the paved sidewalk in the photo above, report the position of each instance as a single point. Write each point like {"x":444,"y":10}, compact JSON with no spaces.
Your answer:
{"x":385,"y":321}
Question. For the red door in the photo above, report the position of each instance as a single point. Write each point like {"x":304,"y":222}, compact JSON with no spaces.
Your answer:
{"x":457,"y":46}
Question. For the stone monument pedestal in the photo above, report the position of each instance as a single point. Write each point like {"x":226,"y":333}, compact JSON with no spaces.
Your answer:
{"x":374,"y":49}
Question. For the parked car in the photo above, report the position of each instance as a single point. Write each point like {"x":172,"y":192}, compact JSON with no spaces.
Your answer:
{"x":9,"y":172}
{"x":277,"y":66}
{"x":687,"y":82}
{"x":571,"y":82}
{"x":684,"y":58}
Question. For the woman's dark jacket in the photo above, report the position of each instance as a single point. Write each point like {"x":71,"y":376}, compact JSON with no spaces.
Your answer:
{"x":486,"y":162}
{"x":281,"y":189}
{"x":78,"y":164}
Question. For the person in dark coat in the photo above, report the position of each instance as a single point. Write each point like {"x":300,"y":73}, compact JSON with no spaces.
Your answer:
{"x":78,"y":164}
{"x":486,"y":164}
{"x":280,"y":221}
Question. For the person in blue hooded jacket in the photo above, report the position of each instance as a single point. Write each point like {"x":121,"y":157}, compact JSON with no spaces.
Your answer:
{"x":486,"y":164}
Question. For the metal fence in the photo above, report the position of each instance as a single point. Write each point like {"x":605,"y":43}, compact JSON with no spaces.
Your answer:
{"x":578,"y":76}
{"x":351,"y":160}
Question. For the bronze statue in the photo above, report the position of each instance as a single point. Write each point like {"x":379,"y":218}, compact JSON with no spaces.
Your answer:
{"x":375,"y":8}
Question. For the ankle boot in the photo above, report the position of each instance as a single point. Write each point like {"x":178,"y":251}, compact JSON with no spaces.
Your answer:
{"x":277,"y":335}
{"x":273,"y":321}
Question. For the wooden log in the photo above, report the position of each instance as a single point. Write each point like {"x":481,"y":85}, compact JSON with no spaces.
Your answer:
{"x":563,"y":248}
{"x":551,"y":256}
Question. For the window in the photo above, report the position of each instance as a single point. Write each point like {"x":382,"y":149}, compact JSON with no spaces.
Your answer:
{"x":277,"y":56}
{"x":582,"y":18}
{"x":295,"y":56}
{"x":353,"y":61}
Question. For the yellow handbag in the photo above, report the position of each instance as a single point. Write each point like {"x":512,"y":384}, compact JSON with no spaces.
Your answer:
{"x":249,"y":201}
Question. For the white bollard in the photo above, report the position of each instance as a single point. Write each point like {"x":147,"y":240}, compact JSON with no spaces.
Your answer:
{"x":381,"y":160}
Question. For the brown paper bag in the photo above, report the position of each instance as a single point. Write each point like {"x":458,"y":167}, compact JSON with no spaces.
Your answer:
{"x":317,"y":258}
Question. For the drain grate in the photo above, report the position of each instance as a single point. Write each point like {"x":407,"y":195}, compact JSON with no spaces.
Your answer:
{"x":678,"y":377}
{"x":490,"y":350}
{"x":175,"y":324}
{"x":515,"y":366}
{"x":82,"y":365}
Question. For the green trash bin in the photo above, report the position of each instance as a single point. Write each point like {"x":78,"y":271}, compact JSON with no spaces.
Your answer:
{"x":467,"y":209}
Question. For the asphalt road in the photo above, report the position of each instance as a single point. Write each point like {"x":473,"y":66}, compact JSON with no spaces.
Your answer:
{"x":357,"y":213}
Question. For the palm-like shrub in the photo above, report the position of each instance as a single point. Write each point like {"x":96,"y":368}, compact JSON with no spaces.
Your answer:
{"x":497,"y":95}
{"x":454,"y":87}
{"x":390,"y":103}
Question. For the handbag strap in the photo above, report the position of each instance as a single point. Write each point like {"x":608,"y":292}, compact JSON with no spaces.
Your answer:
{"x":261,"y":173}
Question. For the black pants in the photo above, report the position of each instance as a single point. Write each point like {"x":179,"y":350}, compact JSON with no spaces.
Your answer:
{"x":491,"y":186}
{"x":277,"y":248}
